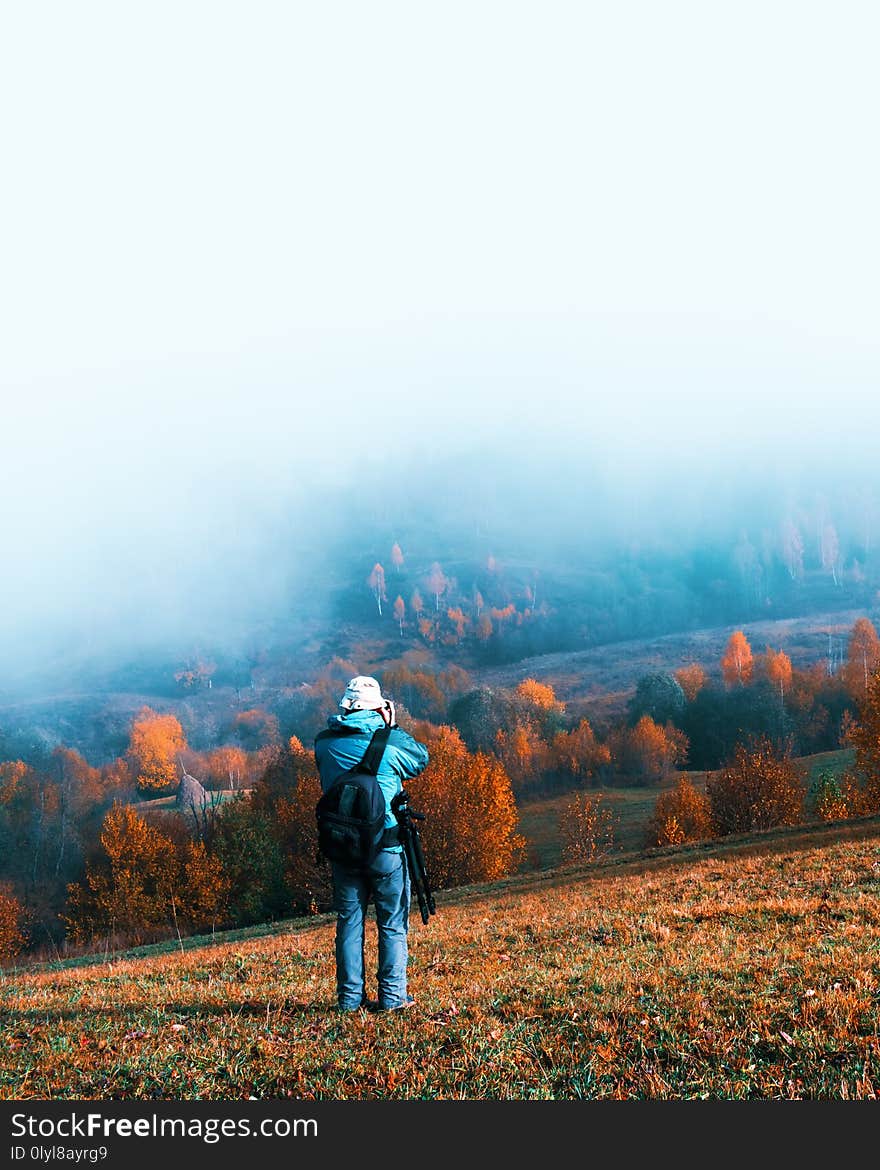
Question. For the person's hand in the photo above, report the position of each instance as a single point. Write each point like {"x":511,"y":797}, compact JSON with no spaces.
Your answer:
{"x":389,"y":714}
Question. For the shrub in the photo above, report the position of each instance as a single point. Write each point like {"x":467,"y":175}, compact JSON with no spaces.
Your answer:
{"x":586,"y":827}
{"x":759,"y":789}
{"x":684,"y":814}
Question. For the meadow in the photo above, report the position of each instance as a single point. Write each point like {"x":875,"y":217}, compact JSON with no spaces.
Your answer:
{"x":741,"y":969}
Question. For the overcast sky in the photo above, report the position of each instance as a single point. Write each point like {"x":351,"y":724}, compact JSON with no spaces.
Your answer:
{"x":250,"y":247}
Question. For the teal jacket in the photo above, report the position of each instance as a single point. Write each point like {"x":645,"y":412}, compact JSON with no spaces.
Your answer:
{"x":403,"y":758}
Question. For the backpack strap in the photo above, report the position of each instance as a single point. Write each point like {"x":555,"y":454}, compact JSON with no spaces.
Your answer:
{"x":373,"y":755}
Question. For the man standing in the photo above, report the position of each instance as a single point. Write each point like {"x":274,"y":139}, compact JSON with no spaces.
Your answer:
{"x":363,"y":711}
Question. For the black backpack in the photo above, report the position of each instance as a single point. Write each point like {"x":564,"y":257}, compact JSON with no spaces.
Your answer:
{"x":351,"y":813}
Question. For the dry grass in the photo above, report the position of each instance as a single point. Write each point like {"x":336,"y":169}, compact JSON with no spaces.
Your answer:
{"x":750,"y":972}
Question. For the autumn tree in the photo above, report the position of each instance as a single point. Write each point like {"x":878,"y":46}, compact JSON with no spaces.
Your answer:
{"x":416,"y":603}
{"x":437,"y":583}
{"x":586,"y":828}
{"x":648,"y":752}
{"x":523,"y":752}
{"x":691,"y":679}
{"x":577,"y":753}
{"x":226,"y":767}
{"x":154,"y":745}
{"x":484,"y":628}
{"x":418,"y":690}
{"x":400,"y":612}
{"x":129,"y":889}
{"x":864,"y":735}
{"x":201,"y":897}
{"x":777,"y":668}
{"x":683,"y":814}
{"x":459,"y":621}
{"x":537,"y":703}
{"x":196,"y":672}
{"x":256,"y":728}
{"x":863,"y":656}
{"x":537,"y":694}
{"x":286,"y":795}
{"x":396,"y":557}
{"x":737,"y":662}
{"x":470,"y":834}
{"x":759,"y":788}
{"x":252,"y":856}
{"x":376,"y":582}
{"x":12,"y":936}
{"x":81,"y":793}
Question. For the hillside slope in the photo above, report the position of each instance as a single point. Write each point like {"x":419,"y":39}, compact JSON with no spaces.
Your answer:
{"x":745,"y":970}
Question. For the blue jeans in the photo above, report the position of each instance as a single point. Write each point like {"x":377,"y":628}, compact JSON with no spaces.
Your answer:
{"x":387,"y":881}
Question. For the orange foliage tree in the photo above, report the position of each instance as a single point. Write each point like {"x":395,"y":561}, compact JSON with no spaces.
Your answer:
{"x":691,"y":679}
{"x":12,"y":936}
{"x":13,"y":774}
{"x":225,"y":767}
{"x":143,"y":885}
{"x":586,"y":827}
{"x":419,"y":690}
{"x":863,"y":656}
{"x":459,"y":621}
{"x":864,"y":735}
{"x":537,"y":694}
{"x":684,"y":814}
{"x":578,"y":753}
{"x":537,"y":704}
{"x":777,"y":667}
{"x":759,"y":789}
{"x":396,"y":557}
{"x":400,"y":612}
{"x":437,"y":583}
{"x":257,"y":728}
{"x":155,"y":743}
{"x":202,"y":889}
{"x":737,"y":661}
{"x":648,"y":752}
{"x":470,"y":832}
{"x":484,"y":628}
{"x":129,"y":890}
{"x":522,"y":752}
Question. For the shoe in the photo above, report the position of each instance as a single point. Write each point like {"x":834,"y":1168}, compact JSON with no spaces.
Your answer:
{"x":400,"y":1007}
{"x":366,"y":1004}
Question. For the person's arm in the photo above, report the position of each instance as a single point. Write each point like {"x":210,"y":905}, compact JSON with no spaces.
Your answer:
{"x":411,"y":756}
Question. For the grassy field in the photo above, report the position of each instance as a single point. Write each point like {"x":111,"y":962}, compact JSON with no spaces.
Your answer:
{"x":747,"y":968}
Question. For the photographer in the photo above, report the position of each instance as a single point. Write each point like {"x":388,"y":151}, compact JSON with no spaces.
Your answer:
{"x":363,"y":711}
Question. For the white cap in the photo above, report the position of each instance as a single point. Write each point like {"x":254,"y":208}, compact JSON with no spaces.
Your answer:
{"x":362,"y":694}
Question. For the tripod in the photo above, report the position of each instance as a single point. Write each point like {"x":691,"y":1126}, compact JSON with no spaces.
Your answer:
{"x":408,"y":834}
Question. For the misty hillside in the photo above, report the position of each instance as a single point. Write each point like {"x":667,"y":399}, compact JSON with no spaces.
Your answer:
{"x":530,"y":576}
